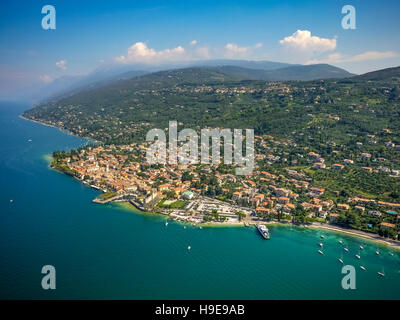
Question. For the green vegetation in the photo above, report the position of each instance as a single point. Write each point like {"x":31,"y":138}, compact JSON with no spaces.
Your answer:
{"x":107,"y":195}
{"x":177,"y":204}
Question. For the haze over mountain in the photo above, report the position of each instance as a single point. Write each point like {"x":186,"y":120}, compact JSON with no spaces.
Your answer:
{"x":239,"y":69}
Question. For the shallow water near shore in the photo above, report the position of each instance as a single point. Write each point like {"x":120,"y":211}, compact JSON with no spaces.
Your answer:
{"x":108,"y":251}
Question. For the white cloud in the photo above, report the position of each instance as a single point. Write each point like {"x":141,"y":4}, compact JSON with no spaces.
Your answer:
{"x":139,"y":52}
{"x":202,"y":53}
{"x":302,"y":40}
{"x":232,"y":50}
{"x":62,"y":64}
{"x":193,"y":42}
{"x":46,"y":78}
{"x":375,"y":55}
{"x":365,"y":56}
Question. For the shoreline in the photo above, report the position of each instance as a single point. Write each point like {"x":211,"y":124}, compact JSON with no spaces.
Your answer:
{"x":62,"y":130}
{"x":395,"y":244}
{"x":318,"y":226}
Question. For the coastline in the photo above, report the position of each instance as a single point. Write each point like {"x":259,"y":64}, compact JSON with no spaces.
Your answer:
{"x":395,"y":244}
{"x":318,"y":226}
{"x":62,"y":130}
{"x":359,"y":234}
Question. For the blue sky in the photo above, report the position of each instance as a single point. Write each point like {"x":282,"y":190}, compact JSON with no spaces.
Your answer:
{"x":90,"y":34}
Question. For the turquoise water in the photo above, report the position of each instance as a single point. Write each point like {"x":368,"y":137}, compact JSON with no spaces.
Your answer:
{"x":106,"y":251}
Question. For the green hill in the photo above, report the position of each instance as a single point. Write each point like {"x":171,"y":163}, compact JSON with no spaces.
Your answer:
{"x":225,"y":97}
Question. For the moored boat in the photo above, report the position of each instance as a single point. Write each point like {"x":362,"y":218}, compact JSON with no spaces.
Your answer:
{"x":262,"y":228}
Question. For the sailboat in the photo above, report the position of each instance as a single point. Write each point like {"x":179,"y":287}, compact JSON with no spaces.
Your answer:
{"x":321,"y":244}
{"x":320,"y":252}
{"x":358,"y":256}
{"x":377,"y":252}
{"x":322,"y":236}
{"x":363,"y":268}
{"x":345,"y":249}
{"x":361,"y":248}
{"x":340,"y":260}
{"x":340,"y":241}
{"x":381,"y":274}
{"x":189,"y":247}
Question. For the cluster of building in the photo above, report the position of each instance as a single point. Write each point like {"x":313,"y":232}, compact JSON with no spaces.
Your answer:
{"x":122,"y":170}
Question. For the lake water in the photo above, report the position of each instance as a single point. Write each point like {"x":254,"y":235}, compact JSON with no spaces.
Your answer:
{"x":108,"y":251}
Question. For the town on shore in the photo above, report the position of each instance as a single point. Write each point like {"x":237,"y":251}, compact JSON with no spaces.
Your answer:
{"x":289,"y":184}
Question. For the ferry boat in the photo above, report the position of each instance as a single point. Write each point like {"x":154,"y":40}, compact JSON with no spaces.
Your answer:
{"x":264,"y":231}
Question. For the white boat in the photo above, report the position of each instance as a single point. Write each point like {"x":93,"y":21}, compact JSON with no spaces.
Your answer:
{"x":11,"y":201}
{"x":358,"y":256}
{"x":184,"y":227}
{"x":381,"y":274}
{"x":361,"y":247}
{"x":322,"y":236}
{"x":377,"y":252}
{"x":340,"y":241}
{"x":321,"y":244}
{"x":363,"y":268}
{"x":345,"y":249}
{"x":262,"y":228}
{"x":189,"y":247}
{"x":320,"y":252}
{"x":166,"y":223}
{"x":340,"y":260}
{"x":201,"y":227}
{"x":391,"y":253}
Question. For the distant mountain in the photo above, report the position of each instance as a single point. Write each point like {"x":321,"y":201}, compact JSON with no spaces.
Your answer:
{"x":300,"y":73}
{"x":69,"y":85}
{"x":237,"y":69}
{"x":131,"y":81}
{"x":259,"y":65}
{"x":384,"y":74}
